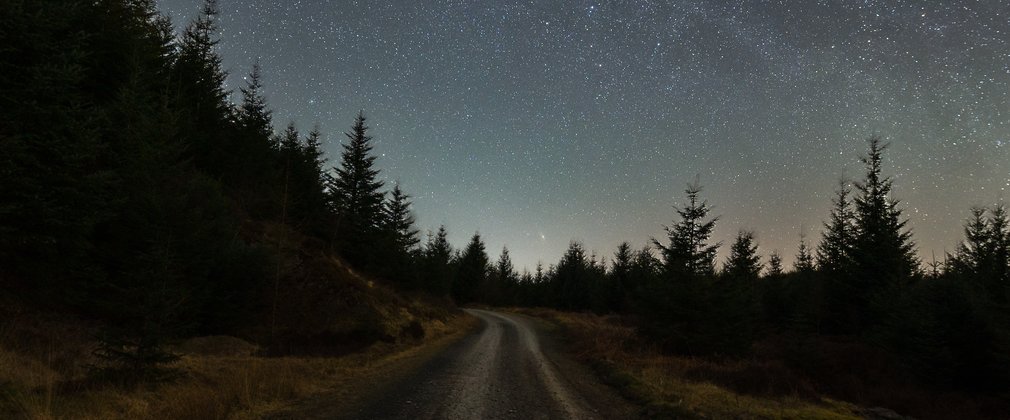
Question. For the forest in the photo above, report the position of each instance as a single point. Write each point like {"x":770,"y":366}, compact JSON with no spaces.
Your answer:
{"x":134,"y":193}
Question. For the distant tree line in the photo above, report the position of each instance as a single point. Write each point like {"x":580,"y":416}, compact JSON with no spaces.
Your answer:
{"x":950,"y":323}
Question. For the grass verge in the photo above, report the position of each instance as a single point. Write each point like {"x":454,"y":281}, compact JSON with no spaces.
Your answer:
{"x":45,"y":378}
{"x":677,"y":387}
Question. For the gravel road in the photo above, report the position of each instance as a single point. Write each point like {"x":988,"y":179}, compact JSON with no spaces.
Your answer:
{"x":500,"y":371}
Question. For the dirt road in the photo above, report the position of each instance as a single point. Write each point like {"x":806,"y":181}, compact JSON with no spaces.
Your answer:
{"x":500,"y":371}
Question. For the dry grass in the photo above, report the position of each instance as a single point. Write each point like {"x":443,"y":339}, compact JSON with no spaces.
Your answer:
{"x":681,"y":387}
{"x":207,"y":387}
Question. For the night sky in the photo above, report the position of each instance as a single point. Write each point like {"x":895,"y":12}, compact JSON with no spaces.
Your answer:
{"x":539,"y":122}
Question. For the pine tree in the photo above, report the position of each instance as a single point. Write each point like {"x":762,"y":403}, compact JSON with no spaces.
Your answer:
{"x":252,"y":114}
{"x":984,"y":255}
{"x":200,"y":78}
{"x":505,"y":270}
{"x":679,"y":306}
{"x":314,"y":155}
{"x":250,"y":167}
{"x":974,"y":252}
{"x":399,"y":232}
{"x":743,"y":262}
{"x":833,"y":253}
{"x":804,"y":259}
{"x":399,"y":221}
{"x":505,"y":280}
{"x":312,"y":211}
{"x":571,"y":279}
{"x":999,"y":234}
{"x":437,"y":277}
{"x":733,"y":304}
{"x":774,"y":265}
{"x":289,"y":143}
{"x":882,"y":252}
{"x":356,"y":197}
{"x":619,"y":279}
{"x":688,"y":252}
{"x":473,"y":271}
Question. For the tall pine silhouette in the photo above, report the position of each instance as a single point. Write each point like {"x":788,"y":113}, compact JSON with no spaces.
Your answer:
{"x":883,"y":263}
{"x":356,"y":197}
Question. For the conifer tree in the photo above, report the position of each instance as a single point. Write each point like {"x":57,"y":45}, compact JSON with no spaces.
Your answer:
{"x":399,"y":221}
{"x":620,"y":280}
{"x":252,"y":113}
{"x":882,"y":253}
{"x":303,"y":162}
{"x":571,"y":279}
{"x":679,"y":306}
{"x":733,"y":304}
{"x":289,"y":143}
{"x":774,"y":264}
{"x":314,"y":155}
{"x":870,"y":260}
{"x":804,"y":259}
{"x":983,"y":257}
{"x":249,"y":165}
{"x":505,"y":270}
{"x":356,"y":197}
{"x":505,"y":280}
{"x":200,"y":77}
{"x":644,"y":267}
{"x":688,"y":252}
{"x":437,"y":254}
{"x":833,"y":253}
{"x":743,"y":262}
{"x":473,"y":271}
{"x":401,"y":239}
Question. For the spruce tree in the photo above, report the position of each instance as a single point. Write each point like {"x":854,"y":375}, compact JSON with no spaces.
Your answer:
{"x":833,"y":253}
{"x":438,"y":277}
{"x":399,"y":221}
{"x":883,"y":254}
{"x":804,"y":259}
{"x":678,"y":306}
{"x":983,"y":257}
{"x":505,"y":270}
{"x":400,"y":239}
{"x":473,"y":271}
{"x":733,"y":300}
{"x":571,"y":279}
{"x":252,"y":113}
{"x":201,"y":94}
{"x":249,"y":167}
{"x":688,"y":252}
{"x":619,"y":279}
{"x":506,"y":280}
{"x":774,"y":265}
{"x":356,"y":197}
{"x":307,"y":189}
{"x":314,"y":155}
{"x":743,"y":262}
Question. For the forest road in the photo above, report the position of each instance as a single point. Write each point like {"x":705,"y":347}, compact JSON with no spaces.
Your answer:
{"x":505,"y":369}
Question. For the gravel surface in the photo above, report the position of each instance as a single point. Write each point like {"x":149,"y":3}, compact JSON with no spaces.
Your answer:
{"x":500,"y":371}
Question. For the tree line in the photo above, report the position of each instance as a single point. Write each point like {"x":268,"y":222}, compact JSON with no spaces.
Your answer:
{"x":948,"y":321}
{"x":133,"y":191}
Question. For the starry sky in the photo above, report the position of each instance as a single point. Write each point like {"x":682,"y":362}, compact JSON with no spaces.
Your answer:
{"x":539,"y":122}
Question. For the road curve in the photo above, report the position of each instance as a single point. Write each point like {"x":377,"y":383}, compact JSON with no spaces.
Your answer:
{"x":497,"y":372}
